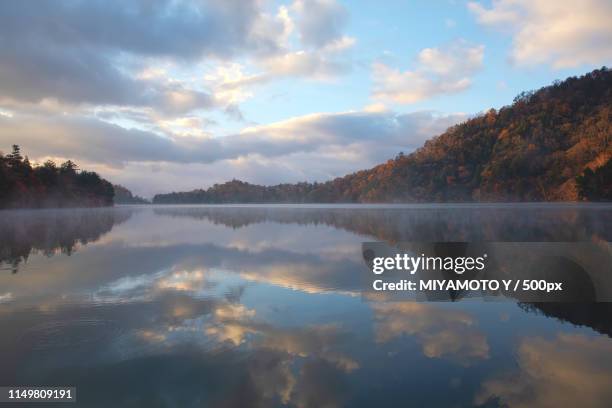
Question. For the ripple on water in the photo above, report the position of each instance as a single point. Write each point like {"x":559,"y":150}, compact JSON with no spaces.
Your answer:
{"x":71,"y":333}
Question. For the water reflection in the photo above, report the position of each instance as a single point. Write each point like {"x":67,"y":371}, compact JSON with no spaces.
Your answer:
{"x":597,"y":316}
{"x":52,"y":231}
{"x":443,"y":333}
{"x":537,"y":222}
{"x":210,"y":306}
{"x":566,"y":370}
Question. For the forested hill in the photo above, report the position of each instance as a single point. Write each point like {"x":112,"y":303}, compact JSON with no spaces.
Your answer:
{"x":125,"y":196}
{"x":553,"y":144}
{"x":49,"y":185}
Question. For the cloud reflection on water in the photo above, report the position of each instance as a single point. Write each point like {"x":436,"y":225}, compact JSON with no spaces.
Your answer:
{"x":262,"y":307}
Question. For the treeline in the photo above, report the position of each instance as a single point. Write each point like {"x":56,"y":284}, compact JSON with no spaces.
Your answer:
{"x":553,"y":144}
{"x":237,"y":191}
{"x":23,"y":185}
{"x":125,"y":196}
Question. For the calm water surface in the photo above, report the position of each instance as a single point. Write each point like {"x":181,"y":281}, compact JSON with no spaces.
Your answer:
{"x":239,"y":306}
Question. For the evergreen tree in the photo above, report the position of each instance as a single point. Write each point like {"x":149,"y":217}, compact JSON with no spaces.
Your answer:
{"x":24,"y":185}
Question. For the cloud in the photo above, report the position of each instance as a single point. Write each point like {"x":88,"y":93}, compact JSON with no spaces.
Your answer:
{"x":86,"y":52}
{"x":563,"y":34}
{"x":438,"y":71}
{"x":569,"y":370}
{"x":320,"y":51}
{"x":158,"y":28}
{"x":320,"y":22}
{"x":96,"y":53}
{"x":28,"y":90}
{"x":321,"y":64}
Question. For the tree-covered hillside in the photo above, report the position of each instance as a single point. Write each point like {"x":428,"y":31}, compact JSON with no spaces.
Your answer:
{"x":49,"y":185}
{"x":547,"y":146}
{"x":125,"y":196}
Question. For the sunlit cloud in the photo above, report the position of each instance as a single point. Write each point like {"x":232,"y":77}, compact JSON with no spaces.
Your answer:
{"x":438,"y":71}
{"x":563,"y":34}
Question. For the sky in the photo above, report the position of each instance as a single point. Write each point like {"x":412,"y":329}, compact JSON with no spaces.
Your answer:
{"x":170,"y":95}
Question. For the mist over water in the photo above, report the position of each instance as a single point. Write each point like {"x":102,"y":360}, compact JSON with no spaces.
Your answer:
{"x":262,"y":306}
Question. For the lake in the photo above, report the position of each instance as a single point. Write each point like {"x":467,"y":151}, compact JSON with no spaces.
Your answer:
{"x":240,"y":306}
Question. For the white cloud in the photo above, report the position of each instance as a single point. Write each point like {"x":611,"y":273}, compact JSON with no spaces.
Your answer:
{"x":320,"y":22}
{"x":320,"y":51}
{"x":326,"y":63}
{"x":438,"y":71}
{"x":227,"y":80}
{"x":561,"y":33}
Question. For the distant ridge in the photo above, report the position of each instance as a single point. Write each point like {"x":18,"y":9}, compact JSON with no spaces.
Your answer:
{"x":554,"y":144}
